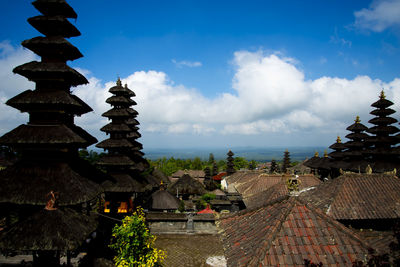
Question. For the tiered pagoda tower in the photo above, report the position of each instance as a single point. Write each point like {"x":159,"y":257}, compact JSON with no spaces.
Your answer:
{"x":229,"y":164}
{"x":337,"y":156}
{"x":354,"y":155}
{"x":135,"y":152}
{"x":119,"y":161}
{"x":286,"y":161}
{"x":382,"y":155}
{"x":49,"y":189}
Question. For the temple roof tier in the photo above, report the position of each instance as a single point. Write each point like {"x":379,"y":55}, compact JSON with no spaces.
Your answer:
{"x":48,"y":71}
{"x":53,"y":47}
{"x":57,"y":100}
{"x":382,"y":112}
{"x":49,"y":135}
{"x":114,"y":143}
{"x":357,"y":127}
{"x":53,"y":26}
{"x":54,"y":8}
{"x":121,"y":90}
{"x":117,"y":128}
{"x":133,"y":135}
{"x":354,"y":144}
{"x":383,"y":140}
{"x":382,"y":103}
{"x":115,"y":160}
{"x":63,"y":230}
{"x":357,"y":136}
{"x":122,"y":183}
{"x":382,"y":120}
{"x":132,"y":121}
{"x":120,"y":100}
{"x":383,"y":129}
{"x":337,"y":146}
{"x":337,"y":154}
{"x":34,"y":180}
{"x":116,"y":112}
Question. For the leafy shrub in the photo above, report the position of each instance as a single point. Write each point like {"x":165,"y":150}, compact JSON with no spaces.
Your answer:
{"x":134,"y":244}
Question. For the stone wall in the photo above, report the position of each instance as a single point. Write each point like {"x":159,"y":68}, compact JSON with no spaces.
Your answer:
{"x":181,"y":223}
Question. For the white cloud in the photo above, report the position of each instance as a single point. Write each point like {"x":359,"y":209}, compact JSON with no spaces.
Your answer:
{"x":270,"y":95}
{"x":185,"y":63}
{"x":381,"y":15}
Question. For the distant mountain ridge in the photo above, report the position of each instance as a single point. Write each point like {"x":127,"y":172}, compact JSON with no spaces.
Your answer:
{"x":250,"y":153}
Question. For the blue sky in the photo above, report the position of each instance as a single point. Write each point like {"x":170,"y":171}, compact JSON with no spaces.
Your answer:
{"x":225,"y":73}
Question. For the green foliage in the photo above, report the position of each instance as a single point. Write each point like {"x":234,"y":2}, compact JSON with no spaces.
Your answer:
{"x":197,"y":164}
{"x":201,"y":204}
{"x":134,"y":244}
{"x":181,"y":207}
{"x":171,"y":165}
{"x":211,"y":159}
{"x":240,"y":163}
{"x":208,"y":197}
{"x":91,"y":156}
{"x":252,"y":164}
{"x":221,"y":164}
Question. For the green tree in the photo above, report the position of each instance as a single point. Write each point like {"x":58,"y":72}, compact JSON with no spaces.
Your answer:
{"x":221,"y":164}
{"x":252,"y":164}
{"x":134,"y":244}
{"x":211,"y":159}
{"x":240,"y":163}
{"x":197,"y":164}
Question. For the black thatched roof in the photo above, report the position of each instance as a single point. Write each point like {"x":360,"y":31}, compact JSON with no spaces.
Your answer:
{"x":187,"y":185}
{"x":115,"y":128}
{"x":114,"y":100}
{"x":54,"y":8}
{"x":48,"y":100}
{"x":382,"y":120}
{"x":121,"y":90}
{"x":160,"y":176}
{"x":382,"y":103}
{"x":61,"y":229}
{"x":122,"y":182}
{"x":114,"y":143}
{"x":54,"y":25}
{"x":163,"y":200}
{"x":133,"y":135}
{"x":29,"y":182}
{"x":313,"y":161}
{"x":114,"y":112}
{"x":51,"y":135}
{"x":115,"y":160}
{"x":382,"y":112}
{"x":131,"y":122}
{"x":53,"y":46}
{"x":38,"y":71}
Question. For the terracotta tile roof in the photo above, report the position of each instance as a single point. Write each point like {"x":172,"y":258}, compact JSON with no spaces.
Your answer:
{"x":358,"y":196}
{"x":242,"y":176}
{"x":266,"y":187}
{"x":192,"y":173}
{"x":284,"y":233}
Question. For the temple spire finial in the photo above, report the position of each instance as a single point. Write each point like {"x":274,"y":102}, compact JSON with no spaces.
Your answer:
{"x":382,"y":95}
{"x":119,"y":83}
{"x":357,"y":120}
{"x":338,"y":140}
{"x":316,"y":154}
{"x":325,"y":153}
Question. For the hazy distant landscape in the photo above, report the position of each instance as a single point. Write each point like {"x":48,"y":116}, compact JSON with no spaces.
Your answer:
{"x":250,"y":153}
